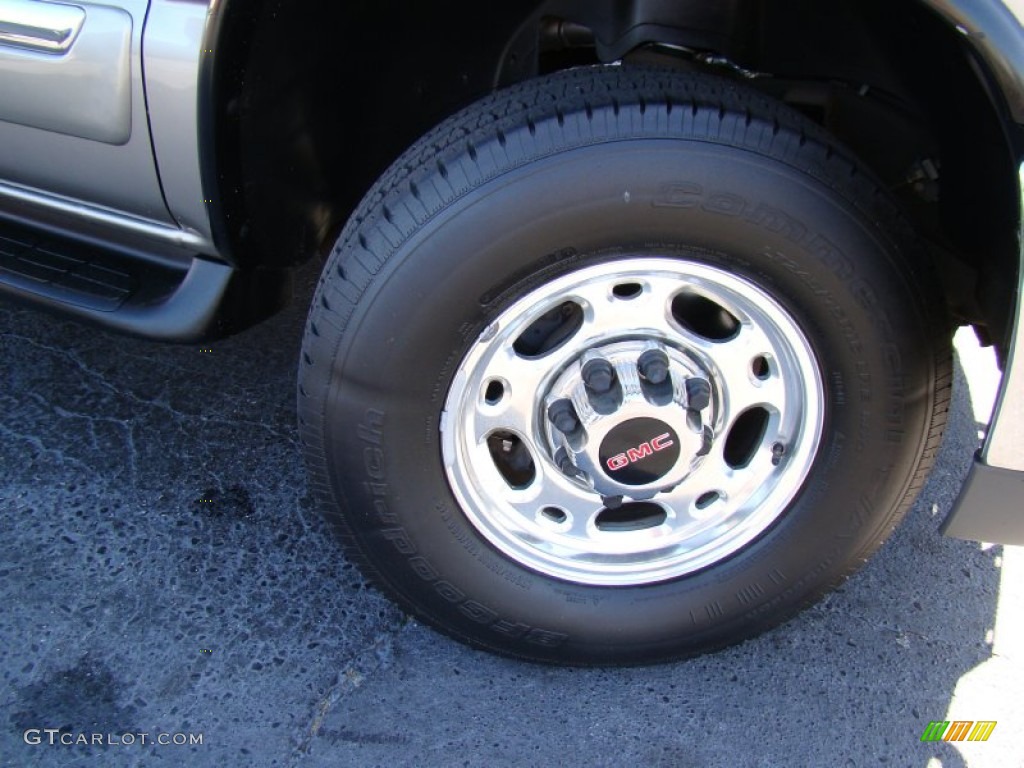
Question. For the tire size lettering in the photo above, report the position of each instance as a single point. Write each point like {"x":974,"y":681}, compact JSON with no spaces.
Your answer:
{"x":370,"y":431}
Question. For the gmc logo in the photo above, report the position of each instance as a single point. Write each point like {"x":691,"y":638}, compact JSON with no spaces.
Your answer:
{"x":642,"y":451}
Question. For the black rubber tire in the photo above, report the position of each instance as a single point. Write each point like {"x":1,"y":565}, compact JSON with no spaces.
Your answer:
{"x":528,"y":184}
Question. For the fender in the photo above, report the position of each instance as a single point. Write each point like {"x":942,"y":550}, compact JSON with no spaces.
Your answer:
{"x":989,"y":505}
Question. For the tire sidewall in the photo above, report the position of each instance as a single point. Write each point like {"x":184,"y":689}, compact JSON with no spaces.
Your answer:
{"x":796,"y":238}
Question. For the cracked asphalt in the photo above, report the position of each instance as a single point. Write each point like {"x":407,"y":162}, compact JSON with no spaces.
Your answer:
{"x":164,"y":571}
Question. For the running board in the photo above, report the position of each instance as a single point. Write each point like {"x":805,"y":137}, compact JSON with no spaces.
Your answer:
{"x":119,"y":290}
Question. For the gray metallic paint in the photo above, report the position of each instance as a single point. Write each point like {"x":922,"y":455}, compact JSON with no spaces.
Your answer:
{"x":988,"y":507}
{"x":92,"y":222}
{"x":1004,"y":444}
{"x":119,"y":178}
{"x":83,"y":92}
{"x":44,"y":27}
{"x":172,"y":55}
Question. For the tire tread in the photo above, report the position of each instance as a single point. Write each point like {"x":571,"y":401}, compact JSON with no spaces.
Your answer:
{"x":572,"y":109}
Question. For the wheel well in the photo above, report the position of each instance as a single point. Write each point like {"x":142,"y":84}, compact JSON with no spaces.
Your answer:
{"x":312,"y":101}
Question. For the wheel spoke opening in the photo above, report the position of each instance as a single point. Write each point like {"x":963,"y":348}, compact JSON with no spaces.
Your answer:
{"x":627,"y":291}
{"x":494,"y":392}
{"x":633,"y":516}
{"x":549,"y":331}
{"x":555,"y":515}
{"x":745,"y":437}
{"x":760,"y":367}
{"x":706,"y":318}
{"x":512,"y":459}
{"x":706,"y":499}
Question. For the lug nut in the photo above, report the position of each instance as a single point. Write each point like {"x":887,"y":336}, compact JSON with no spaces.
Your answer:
{"x":598,"y":375}
{"x":563,"y":415}
{"x":653,"y":366}
{"x":698,"y":394}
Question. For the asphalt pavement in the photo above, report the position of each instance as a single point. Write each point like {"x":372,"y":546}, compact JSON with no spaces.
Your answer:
{"x":165,"y":577}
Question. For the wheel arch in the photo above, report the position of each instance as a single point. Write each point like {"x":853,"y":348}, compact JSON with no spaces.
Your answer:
{"x":897,"y":82}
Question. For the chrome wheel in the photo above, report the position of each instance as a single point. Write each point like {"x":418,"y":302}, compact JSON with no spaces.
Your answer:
{"x":632,"y":422}
{"x":549,"y":445}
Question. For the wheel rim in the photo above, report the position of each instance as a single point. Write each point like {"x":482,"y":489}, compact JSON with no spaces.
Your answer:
{"x":633,"y":421}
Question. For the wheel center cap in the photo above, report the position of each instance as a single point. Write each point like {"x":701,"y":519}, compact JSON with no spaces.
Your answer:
{"x":639,"y":452}
{"x":630,"y":418}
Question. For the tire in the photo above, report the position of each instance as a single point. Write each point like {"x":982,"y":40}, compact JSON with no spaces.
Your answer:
{"x":619,"y":366}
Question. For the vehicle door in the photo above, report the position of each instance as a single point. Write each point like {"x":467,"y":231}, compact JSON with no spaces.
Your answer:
{"x":73,"y":119}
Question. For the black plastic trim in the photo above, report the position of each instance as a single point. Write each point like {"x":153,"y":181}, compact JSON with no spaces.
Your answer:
{"x":990,"y":506}
{"x":998,"y":36}
{"x":620,"y":27}
{"x":209,"y":96}
{"x":127,"y":291}
{"x":188,"y":313}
